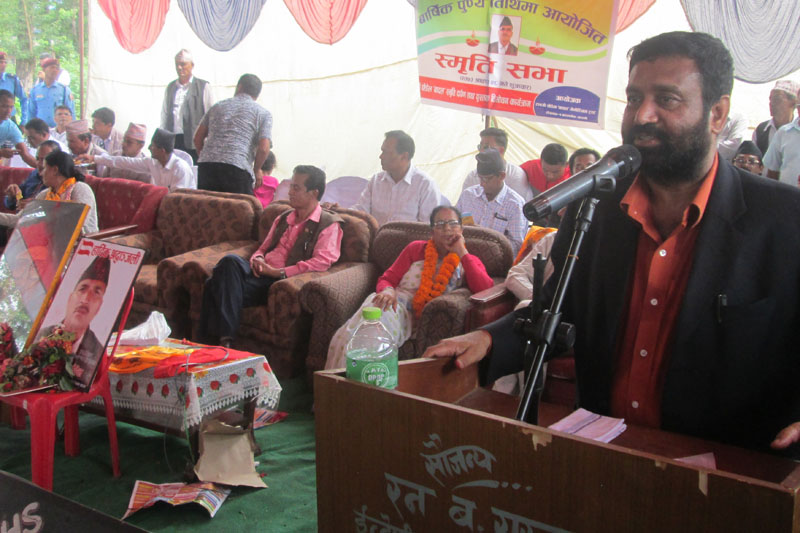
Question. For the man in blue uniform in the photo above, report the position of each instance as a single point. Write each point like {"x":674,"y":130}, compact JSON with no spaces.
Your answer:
{"x":10,"y":83}
{"x":48,"y":95}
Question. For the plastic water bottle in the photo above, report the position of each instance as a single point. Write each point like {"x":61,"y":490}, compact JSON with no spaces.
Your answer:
{"x":371,"y":353}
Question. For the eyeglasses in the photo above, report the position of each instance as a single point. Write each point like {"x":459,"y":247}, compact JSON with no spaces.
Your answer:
{"x":490,"y":177}
{"x":442,"y":224}
{"x":742,"y":160}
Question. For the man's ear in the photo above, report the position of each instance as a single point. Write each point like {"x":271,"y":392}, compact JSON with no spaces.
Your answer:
{"x":718,"y":115}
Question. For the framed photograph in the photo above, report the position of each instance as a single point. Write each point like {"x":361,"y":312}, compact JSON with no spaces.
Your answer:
{"x":89,"y":299}
{"x":32,"y":263}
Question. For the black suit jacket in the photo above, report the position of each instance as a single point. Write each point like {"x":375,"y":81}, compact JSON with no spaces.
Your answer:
{"x":495,"y":47}
{"x":733,"y":372}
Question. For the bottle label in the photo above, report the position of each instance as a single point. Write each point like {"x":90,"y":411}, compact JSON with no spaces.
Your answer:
{"x":379,"y":373}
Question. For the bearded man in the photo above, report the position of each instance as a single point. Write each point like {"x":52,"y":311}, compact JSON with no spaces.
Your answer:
{"x":685,"y":298}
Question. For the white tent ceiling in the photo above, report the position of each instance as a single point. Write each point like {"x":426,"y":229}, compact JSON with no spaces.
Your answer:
{"x":332,"y":104}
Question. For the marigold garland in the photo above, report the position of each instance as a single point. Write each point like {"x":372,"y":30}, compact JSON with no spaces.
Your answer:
{"x":56,"y":195}
{"x":432,"y":283}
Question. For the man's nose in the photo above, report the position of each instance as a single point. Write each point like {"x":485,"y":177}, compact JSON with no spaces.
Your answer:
{"x":647,"y":112}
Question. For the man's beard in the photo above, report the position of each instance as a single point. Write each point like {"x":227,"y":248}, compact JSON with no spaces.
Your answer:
{"x":677,"y":159}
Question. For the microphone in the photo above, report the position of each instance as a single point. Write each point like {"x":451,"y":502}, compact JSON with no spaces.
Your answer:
{"x":619,"y":162}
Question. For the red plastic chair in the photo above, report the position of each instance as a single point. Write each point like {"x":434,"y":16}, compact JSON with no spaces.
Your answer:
{"x":43,"y":409}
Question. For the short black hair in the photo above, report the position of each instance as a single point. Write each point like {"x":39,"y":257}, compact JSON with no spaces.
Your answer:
{"x":713,"y":60}
{"x":64,"y":107}
{"x":554,"y":154}
{"x":438,"y":208}
{"x":582,"y":151}
{"x":315,"y":180}
{"x":105,"y":115}
{"x":404,"y":142}
{"x":5,"y":94}
{"x":38,"y":125}
{"x":500,"y":136}
{"x":50,"y":143}
{"x":269,"y":162}
{"x":250,"y":84}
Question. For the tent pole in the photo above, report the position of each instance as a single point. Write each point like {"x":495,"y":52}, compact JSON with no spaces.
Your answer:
{"x":83,"y":101}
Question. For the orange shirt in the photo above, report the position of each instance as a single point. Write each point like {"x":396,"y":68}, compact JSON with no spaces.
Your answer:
{"x":660,"y":275}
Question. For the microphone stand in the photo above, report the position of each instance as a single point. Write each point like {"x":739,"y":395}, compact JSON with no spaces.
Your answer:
{"x":544,"y":328}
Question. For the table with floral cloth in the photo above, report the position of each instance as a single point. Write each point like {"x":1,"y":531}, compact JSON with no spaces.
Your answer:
{"x":182,"y":401}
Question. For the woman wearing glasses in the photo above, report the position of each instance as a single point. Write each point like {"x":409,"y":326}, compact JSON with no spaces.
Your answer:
{"x":422,"y":271}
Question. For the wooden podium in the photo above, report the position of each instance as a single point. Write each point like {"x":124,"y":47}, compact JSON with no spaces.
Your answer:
{"x":442,"y":454}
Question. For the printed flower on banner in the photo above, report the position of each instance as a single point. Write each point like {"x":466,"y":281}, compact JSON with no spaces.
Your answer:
{"x":215,"y":385}
{"x":135,"y":387}
{"x":150,"y":389}
{"x":119,"y":386}
{"x":234,"y":378}
{"x":165,"y":391}
{"x":250,"y":372}
{"x":187,"y":402}
{"x":199,"y":392}
{"x":267,"y":368}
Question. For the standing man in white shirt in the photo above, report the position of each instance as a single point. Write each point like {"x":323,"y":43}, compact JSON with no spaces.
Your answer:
{"x":400,"y":191}
{"x":497,"y":139}
{"x":165,"y":168}
{"x":782,"y":159}
{"x":186,"y":100}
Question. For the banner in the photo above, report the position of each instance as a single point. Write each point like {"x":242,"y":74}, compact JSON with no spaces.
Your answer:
{"x":540,"y":61}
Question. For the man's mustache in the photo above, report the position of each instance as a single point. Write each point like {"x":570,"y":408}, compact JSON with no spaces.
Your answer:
{"x":647,"y":129}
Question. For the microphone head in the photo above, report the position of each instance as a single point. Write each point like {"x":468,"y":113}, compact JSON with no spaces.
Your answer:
{"x":629,"y":159}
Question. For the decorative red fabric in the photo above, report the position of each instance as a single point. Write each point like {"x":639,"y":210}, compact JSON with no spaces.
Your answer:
{"x":326,"y":21}
{"x":178,"y":364}
{"x":630,"y":10}
{"x":136,"y":23}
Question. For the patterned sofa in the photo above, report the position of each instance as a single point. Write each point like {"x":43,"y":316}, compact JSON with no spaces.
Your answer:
{"x":184,"y":222}
{"x":123,"y":202}
{"x":333,"y":299}
{"x":279,"y":329}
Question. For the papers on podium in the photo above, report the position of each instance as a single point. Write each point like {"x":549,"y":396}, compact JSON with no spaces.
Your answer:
{"x":590,"y":425}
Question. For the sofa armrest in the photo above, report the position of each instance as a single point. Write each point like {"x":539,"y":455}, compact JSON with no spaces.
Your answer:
{"x":441,"y":318}
{"x":331,"y":301}
{"x":488,"y":305}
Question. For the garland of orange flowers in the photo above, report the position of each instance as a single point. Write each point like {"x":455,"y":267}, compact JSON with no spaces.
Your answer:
{"x":431,"y":285}
{"x":66,"y":184}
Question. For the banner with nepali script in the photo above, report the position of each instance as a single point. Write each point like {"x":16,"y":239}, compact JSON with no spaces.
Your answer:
{"x":542,"y":61}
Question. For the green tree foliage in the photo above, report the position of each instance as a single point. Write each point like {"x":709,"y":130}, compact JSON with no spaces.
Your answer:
{"x":31,"y":27}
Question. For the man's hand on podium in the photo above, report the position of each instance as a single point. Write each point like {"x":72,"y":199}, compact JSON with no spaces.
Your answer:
{"x":788,"y":436}
{"x":468,"y":349}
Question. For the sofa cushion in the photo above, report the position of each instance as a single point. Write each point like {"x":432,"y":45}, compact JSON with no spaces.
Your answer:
{"x":121,"y":201}
{"x":146,"y":288}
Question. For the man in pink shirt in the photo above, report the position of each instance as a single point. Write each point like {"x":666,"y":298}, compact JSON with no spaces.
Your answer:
{"x":304,"y":239}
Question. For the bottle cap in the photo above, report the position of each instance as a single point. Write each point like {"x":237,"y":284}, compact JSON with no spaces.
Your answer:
{"x":371,"y":313}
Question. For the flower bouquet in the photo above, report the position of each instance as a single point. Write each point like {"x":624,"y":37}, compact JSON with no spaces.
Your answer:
{"x":7,"y":346}
{"x":46,"y":363}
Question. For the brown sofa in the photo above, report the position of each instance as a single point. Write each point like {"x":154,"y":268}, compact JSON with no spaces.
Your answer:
{"x":185,"y":222}
{"x":333,"y":300}
{"x":122,"y":202}
{"x":279,"y":329}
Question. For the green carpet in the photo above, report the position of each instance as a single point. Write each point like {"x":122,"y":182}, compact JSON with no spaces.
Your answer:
{"x":288,"y":458}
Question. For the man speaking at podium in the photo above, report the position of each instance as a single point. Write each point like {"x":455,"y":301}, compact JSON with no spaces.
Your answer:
{"x":685,"y":295}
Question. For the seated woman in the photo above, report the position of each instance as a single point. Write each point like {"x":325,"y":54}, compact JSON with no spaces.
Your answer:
{"x":64,"y":183}
{"x":422,"y":271}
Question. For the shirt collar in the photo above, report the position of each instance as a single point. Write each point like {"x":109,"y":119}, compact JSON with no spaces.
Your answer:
{"x":406,"y":178}
{"x":795,"y":123}
{"x":187,"y":83}
{"x":636,"y":204}
{"x":501,"y":196}
{"x":314,"y":216}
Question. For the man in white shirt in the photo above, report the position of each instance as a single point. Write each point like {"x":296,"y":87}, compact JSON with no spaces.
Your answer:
{"x":782,"y":159}
{"x":400,"y":191}
{"x":497,"y":139}
{"x":165,"y":168}
{"x":104,"y":134}
{"x":782,"y":101}
{"x":492,"y":203}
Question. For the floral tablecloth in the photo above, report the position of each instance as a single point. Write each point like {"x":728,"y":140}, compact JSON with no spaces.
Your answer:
{"x":184,"y":400}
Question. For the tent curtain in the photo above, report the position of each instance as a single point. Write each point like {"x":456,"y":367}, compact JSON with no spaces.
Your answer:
{"x":630,"y":10}
{"x":221,"y":24}
{"x":137,"y":23}
{"x":326,"y":21}
{"x":762,"y":36}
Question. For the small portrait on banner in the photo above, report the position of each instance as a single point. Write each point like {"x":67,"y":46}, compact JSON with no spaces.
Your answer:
{"x":504,"y":35}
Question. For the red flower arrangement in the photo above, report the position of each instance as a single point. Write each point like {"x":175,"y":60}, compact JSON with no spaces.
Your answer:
{"x":46,"y":362}
{"x":7,"y":347}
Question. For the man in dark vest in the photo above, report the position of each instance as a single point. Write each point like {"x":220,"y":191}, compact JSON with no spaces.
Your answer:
{"x":303,"y":239}
{"x":186,"y":100}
